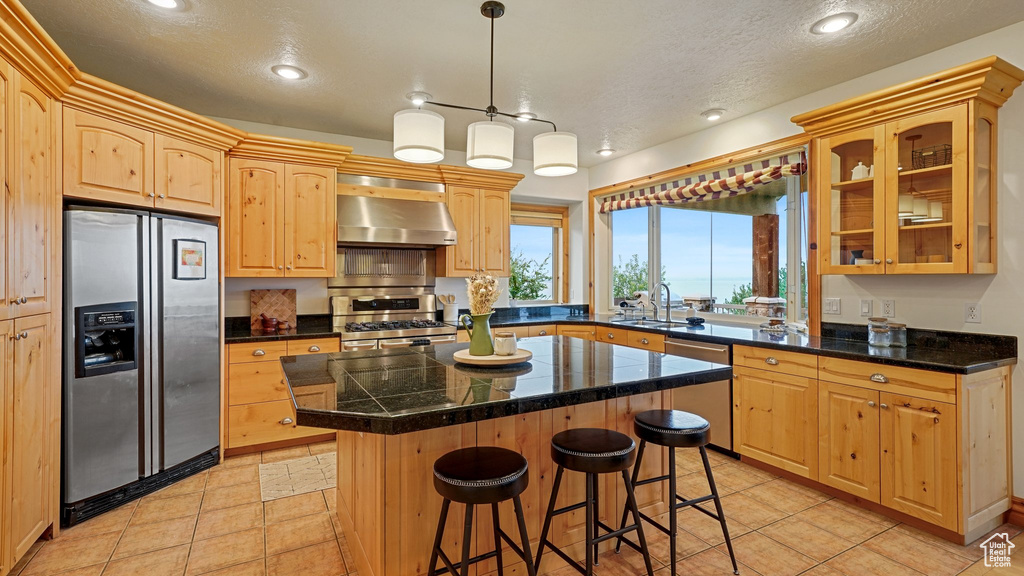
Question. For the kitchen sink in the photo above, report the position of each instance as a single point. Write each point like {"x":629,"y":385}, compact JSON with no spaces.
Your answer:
{"x":646,"y":323}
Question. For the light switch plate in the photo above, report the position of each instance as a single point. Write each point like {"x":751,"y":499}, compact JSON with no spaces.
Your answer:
{"x":865,"y":307}
{"x":972,"y":313}
{"x":888,"y":308}
{"x":831,"y":306}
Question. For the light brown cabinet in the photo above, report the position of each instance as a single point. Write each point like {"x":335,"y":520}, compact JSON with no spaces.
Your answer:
{"x":188,"y":177}
{"x":281,"y":220}
{"x":584,"y":332}
{"x":848,"y":430}
{"x":482,"y":219}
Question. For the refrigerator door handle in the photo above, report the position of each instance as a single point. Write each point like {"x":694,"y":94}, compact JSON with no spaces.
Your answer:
{"x":149,"y":399}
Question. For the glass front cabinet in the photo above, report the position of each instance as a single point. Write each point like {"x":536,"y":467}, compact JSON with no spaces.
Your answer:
{"x":913,"y":193}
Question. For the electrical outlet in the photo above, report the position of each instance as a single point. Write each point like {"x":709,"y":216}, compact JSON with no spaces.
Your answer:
{"x":888,"y":308}
{"x":831,"y":306}
{"x":865,"y":307}
{"x":972,"y":313}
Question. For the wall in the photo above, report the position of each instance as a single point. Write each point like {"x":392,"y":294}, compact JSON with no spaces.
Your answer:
{"x":312,"y":293}
{"x":921,"y":301}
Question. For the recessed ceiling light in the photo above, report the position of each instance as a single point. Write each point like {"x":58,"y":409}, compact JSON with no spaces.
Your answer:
{"x":169,"y":4}
{"x":287,"y":72}
{"x":834,"y":23}
{"x":713,"y":114}
{"x":605,"y":152}
{"x":525,"y":116}
{"x":418,"y":98}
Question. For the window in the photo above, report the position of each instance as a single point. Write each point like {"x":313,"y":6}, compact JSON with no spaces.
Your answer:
{"x":706,"y":251}
{"x":539,"y":258}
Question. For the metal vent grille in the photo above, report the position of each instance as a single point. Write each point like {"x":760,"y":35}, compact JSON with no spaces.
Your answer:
{"x":384,"y":263}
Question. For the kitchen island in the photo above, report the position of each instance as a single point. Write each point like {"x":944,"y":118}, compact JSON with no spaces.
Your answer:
{"x":399,"y":410}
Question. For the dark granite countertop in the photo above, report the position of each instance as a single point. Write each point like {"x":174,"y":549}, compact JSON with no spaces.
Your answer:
{"x":237,"y":329}
{"x":409,"y":389}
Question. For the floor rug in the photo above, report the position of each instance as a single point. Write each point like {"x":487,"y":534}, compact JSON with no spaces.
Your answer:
{"x":298,"y":476}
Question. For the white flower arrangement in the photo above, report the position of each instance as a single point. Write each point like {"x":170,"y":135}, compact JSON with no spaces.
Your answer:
{"x":483,"y":292}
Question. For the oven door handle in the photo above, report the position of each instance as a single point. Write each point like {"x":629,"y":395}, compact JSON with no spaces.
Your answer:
{"x":355,"y":346}
{"x":397,"y":343}
{"x":448,"y":339}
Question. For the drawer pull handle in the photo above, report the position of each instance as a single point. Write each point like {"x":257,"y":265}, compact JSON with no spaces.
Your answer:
{"x":888,"y":260}
{"x":645,"y":341}
{"x":611,"y":336}
{"x":877,"y":261}
{"x":24,"y":300}
{"x":880,"y":378}
{"x":885,"y":406}
{"x":161,"y":196}
{"x":314,"y":348}
{"x":871,"y":403}
{"x":286,"y":421}
{"x":16,"y":337}
{"x":259,"y":352}
{"x":771,"y":361}
{"x":543,"y":333}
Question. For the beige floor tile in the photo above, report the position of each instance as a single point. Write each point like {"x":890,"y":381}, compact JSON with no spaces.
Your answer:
{"x":166,"y":562}
{"x":61,"y":555}
{"x":971,"y":551}
{"x":695,"y":484}
{"x":299,"y":533}
{"x":767,"y":556}
{"x":284,"y":454}
{"x":842,"y":522}
{"x":230,"y":496}
{"x":113,"y":521}
{"x":707,"y":528}
{"x":318,"y":560}
{"x":223,"y":551}
{"x":331,"y":496}
{"x":710,"y":562}
{"x":346,"y":554}
{"x":94,"y":570}
{"x":658,"y":542}
{"x":862,"y":512}
{"x":751,"y":512}
{"x":806,"y":538}
{"x":294,"y":506}
{"x":190,"y":485}
{"x":142,"y":538}
{"x":739,"y":476}
{"x":688,"y":460}
{"x":822,"y":570}
{"x":254,"y":568}
{"x":150,"y":511}
{"x":917,"y":554}
{"x":323,"y":447}
{"x":213,"y":523}
{"x":786,"y":496}
{"x":223,"y":477}
{"x":860,"y":561}
{"x":242,"y":460}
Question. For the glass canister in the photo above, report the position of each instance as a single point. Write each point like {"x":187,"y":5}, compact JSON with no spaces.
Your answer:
{"x":898,"y":335}
{"x":879,"y":336}
{"x":877,"y":322}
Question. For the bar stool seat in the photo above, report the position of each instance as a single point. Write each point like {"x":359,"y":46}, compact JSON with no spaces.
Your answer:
{"x":474,"y":476}
{"x":673,"y":428}
{"x":593,"y":450}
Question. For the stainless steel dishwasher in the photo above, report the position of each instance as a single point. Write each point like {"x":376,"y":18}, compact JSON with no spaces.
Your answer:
{"x":713,"y":400}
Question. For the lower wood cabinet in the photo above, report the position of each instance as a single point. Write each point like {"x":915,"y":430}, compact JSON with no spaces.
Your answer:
{"x":584,"y":332}
{"x":848,"y":430}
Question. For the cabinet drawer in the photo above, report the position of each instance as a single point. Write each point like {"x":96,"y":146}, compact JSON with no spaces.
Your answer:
{"x":314,"y":346}
{"x":896,"y":379}
{"x":585,"y":332}
{"x":256,"y":352}
{"x":646,"y":340}
{"x":781,"y":361}
{"x":545,"y":330}
{"x":265,"y":422}
{"x":612,"y":335}
{"x":252,"y":382}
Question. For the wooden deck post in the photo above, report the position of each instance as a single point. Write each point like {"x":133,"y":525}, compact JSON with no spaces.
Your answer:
{"x":766,"y":255}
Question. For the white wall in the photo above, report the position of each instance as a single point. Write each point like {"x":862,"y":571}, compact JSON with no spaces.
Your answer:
{"x":312,"y":293}
{"x":921,"y":301}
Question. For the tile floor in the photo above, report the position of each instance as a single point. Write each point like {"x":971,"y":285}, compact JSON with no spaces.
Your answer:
{"x":299,"y":475}
{"x":215,"y":523}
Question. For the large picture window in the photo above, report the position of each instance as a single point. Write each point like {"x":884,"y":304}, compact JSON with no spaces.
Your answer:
{"x":539,"y":256}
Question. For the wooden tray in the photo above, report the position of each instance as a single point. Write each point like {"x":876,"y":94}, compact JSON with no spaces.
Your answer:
{"x":519,"y":357}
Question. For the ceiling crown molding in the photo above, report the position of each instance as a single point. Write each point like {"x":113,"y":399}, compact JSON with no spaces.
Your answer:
{"x":23,"y":41}
{"x":262,"y":147}
{"x":990,"y":79}
{"x":460,"y":175}
{"x":490,"y":179}
{"x":107,"y":99}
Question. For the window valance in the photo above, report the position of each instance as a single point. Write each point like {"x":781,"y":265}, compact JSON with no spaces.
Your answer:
{"x":725,"y":183}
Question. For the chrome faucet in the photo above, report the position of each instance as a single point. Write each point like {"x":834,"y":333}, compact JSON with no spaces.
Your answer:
{"x":655,"y":292}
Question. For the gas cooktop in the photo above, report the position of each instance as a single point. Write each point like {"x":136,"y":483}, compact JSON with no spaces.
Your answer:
{"x":391,"y":325}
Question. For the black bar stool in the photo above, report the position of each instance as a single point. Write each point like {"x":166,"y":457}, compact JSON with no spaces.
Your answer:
{"x":677,"y":429}
{"x":593,"y":451}
{"x":480,"y":475}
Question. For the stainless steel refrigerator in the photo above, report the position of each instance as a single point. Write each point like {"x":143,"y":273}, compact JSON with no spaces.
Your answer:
{"x":141,"y":369}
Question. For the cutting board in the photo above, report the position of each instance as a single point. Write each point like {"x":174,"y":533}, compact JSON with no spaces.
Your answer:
{"x":278,"y":304}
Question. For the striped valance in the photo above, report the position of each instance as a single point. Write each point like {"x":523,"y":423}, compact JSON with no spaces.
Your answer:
{"x":725,"y":183}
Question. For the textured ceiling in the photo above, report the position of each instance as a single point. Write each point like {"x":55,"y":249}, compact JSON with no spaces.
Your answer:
{"x":627,"y":75}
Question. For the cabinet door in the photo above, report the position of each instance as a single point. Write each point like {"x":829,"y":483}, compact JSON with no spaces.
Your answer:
{"x":311,"y":221}
{"x":494,"y":232}
{"x":926,"y":170}
{"x":983,"y":188}
{"x":30,"y":212}
{"x":848,"y":439}
{"x":6,"y":371}
{"x":255,"y":233}
{"x":107,"y":161}
{"x":31,"y":389}
{"x":584,"y":332}
{"x":852,"y":202}
{"x":464,"y":205}
{"x":188,"y":176}
{"x":7,"y":307}
{"x":775,"y":419}
{"x":918,"y":440}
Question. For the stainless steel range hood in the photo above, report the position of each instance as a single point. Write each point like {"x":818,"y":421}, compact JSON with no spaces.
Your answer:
{"x":364,"y":220}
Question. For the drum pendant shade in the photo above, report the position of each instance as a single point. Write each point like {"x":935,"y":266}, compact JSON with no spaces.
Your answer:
{"x":555,"y":154}
{"x":419,"y":136}
{"x":489,"y":145}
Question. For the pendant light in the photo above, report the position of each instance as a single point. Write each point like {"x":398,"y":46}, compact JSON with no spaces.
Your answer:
{"x":489,"y":144}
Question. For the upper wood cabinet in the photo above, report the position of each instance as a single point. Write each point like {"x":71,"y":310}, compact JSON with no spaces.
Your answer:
{"x":282,"y":220}
{"x":905,"y":178}
{"x":110,"y":161}
{"x":482,"y":219}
